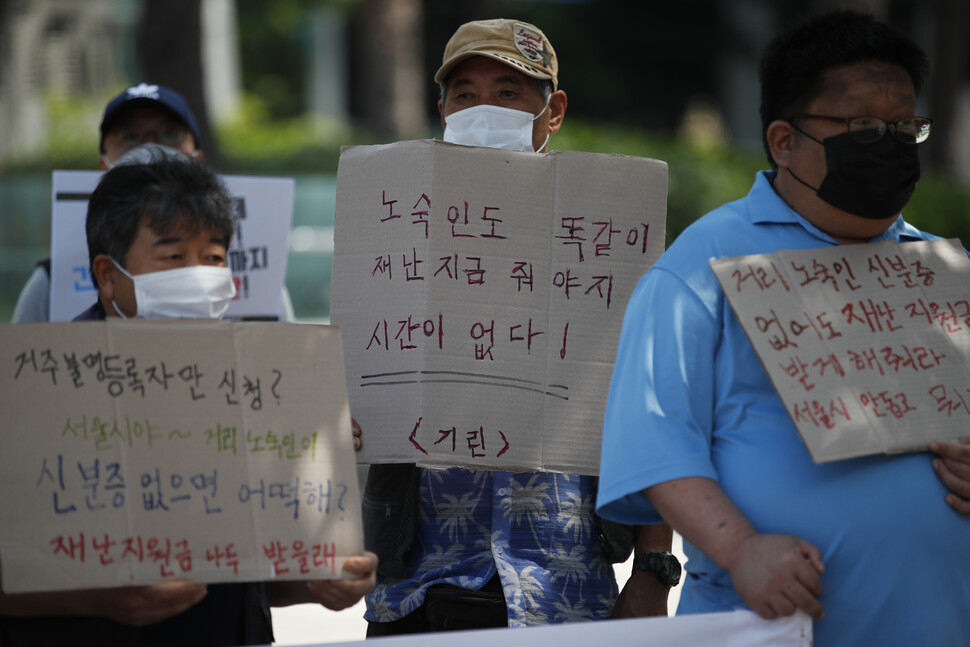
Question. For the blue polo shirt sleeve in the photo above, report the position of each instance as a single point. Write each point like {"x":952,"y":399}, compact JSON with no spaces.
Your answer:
{"x":658,"y":421}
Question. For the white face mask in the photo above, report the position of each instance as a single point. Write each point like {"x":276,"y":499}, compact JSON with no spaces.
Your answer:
{"x":196,"y":291}
{"x":492,"y":127}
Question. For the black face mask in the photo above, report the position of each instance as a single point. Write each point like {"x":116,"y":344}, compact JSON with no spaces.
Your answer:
{"x":869,"y":180}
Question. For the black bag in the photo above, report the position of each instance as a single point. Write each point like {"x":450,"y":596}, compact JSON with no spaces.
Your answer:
{"x":388,"y":509}
{"x":616,"y":540}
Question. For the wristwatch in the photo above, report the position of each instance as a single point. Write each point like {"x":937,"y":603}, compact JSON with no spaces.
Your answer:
{"x":664,"y":565}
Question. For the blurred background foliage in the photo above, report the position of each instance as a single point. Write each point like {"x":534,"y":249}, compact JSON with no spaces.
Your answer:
{"x":701,"y":177}
{"x":702,"y":174}
{"x":646,"y":79}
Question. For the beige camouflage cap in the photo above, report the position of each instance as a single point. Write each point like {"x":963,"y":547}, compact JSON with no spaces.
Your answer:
{"x":518,"y":44}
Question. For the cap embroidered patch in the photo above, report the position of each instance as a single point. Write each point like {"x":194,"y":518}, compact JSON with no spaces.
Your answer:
{"x":529,"y":42}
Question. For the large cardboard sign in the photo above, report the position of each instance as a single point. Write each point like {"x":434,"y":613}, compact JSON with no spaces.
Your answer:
{"x":141,"y":451}
{"x":257,"y":254}
{"x":481,"y":294}
{"x":868,"y":346}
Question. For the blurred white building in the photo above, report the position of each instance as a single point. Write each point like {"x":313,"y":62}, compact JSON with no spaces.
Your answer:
{"x":84,"y":49}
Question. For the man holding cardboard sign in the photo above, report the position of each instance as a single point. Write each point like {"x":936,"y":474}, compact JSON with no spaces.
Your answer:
{"x":519,"y":548}
{"x":158,"y":234}
{"x":695,"y":434}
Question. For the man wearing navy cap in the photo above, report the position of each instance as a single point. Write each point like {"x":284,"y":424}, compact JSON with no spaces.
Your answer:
{"x":147,"y":113}
{"x":142,"y":113}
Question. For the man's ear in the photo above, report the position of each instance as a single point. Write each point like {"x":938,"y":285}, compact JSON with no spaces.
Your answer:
{"x":441,"y":112}
{"x":781,"y":138}
{"x":105,"y":274}
{"x":557,"y":110}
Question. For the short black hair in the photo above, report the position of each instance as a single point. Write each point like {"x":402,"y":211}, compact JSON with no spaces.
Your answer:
{"x":793,"y":65}
{"x":168,"y":193}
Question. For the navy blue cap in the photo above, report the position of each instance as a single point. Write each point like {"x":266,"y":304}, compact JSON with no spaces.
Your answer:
{"x":148,"y":94}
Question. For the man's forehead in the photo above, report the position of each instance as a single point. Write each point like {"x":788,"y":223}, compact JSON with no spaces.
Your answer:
{"x":183,"y":236}
{"x":488,"y":68}
{"x":846,"y":80}
{"x":183,"y":229}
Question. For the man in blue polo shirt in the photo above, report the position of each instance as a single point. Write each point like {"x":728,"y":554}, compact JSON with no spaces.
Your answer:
{"x":874,"y":548}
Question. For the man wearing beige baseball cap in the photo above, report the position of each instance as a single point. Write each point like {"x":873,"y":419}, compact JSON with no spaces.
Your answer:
{"x":464,"y":549}
{"x":499,"y":83}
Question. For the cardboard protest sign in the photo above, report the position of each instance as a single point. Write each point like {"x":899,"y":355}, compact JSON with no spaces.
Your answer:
{"x":141,"y":451}
{"x":481,"y":293}
{"x":257,"y":254}
{"x":868,"y":346}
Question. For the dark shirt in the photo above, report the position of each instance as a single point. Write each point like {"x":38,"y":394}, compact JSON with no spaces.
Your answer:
{"x":229,"y":614}
{"x":94,"y":313}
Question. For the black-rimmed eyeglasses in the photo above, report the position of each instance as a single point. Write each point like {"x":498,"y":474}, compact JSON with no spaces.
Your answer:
{"x":868,"y":130}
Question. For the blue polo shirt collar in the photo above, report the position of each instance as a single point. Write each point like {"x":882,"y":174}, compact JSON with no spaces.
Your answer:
{"x":768,"y":207}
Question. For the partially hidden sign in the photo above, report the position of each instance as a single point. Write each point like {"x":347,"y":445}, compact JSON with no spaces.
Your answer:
{"x":141,"y":451}
{"x":481,"y":293}
{"x":257,"y":252}
{"x":868,"y":346}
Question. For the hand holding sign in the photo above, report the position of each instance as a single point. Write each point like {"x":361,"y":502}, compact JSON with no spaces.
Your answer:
{"x":162,"y":450}
{"x":952,"y":466}
{"x":867,"y":345}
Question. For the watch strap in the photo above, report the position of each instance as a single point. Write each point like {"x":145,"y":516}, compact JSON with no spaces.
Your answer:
{"x":664,"y":565}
